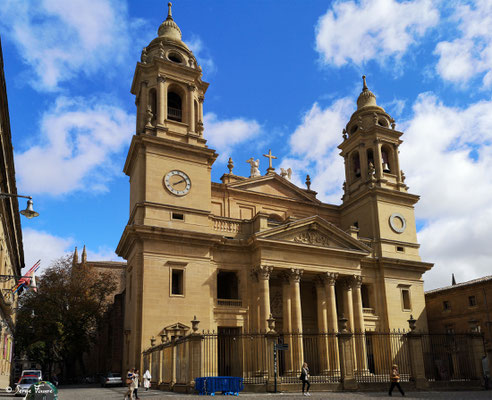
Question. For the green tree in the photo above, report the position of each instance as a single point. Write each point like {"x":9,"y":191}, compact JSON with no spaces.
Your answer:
{"x":59,"y":322}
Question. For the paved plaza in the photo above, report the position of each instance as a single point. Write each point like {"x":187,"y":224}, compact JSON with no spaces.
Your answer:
{"x":93,"y":392}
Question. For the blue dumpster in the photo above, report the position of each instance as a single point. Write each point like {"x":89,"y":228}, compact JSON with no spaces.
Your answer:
{"x":230,"y":385}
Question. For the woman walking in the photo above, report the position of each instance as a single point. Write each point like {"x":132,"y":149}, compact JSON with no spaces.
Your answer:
{"x":395,"y":380}
{"x":305,"y":379}
{"x":136,"y":377}
{"x":129,"y":384}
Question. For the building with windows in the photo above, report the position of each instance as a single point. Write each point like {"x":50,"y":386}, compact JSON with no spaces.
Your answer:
{"x":11,"y":249}
{"x":245,"y":250}
{"x":462,"y":307}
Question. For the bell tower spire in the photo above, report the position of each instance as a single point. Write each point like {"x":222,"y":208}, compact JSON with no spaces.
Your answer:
{"x":370,"y":148}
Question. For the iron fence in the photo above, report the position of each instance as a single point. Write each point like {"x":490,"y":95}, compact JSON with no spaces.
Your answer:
{"x":449,"y":357}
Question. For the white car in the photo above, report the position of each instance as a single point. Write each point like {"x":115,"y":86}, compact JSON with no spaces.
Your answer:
{"x":36,"y":372}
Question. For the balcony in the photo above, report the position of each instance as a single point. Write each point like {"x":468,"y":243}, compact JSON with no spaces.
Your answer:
{"x":174,"y":114}
{"x":230,"y":302}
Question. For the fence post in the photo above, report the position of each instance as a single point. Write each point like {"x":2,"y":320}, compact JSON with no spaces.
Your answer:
{"x":346,"y":352}
{"x":272,"y":339}
{"x":478,"y":353}
{"x":416,"y":353}
{"x":195,"y":354}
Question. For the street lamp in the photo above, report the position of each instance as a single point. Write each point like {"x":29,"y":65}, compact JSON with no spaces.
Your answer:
{"x":28,"y":212}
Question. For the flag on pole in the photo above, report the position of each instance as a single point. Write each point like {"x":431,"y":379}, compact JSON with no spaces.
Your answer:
{"x":25,"y":281}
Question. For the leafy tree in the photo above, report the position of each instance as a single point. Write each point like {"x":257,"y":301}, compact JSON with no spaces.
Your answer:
{"x":59,"y":322}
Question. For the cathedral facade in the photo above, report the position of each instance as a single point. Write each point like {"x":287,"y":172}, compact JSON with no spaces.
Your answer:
{"x":238,"y":253}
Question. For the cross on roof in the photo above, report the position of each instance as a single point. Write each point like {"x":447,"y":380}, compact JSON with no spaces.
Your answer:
{"x":270,"y":157}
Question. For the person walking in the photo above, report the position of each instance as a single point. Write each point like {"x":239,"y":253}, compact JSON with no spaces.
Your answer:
{"x":147,"y":377}
{"x":136,"y":378}
{"x":305,"y":379}
{"x":129,"y":384}
{"x":395,"y":380}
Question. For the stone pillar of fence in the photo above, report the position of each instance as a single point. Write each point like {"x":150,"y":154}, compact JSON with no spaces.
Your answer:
{"x":272,"y":339}
{"x":346,"y":353}
{"x":195,"y":353}
{"x":416,"y":354}
{"x":478,"y":353}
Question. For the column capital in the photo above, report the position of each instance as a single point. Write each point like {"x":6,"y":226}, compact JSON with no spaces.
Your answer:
{"x":192,"y":87}
{"x":329,"y":278}
{"x":263,"y":271}
{"x":346,"y":282}
{"x":161,"y":78}
{"x":201,"y":99}
{"x":356,"y":281}
{"x":294,"y":274}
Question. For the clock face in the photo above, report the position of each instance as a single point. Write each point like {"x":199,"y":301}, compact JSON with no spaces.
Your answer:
{"x":177,"y":182}
{"x":397,"y":222}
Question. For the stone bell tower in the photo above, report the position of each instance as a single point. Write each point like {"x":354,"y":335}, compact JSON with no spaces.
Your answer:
{"x":168,"y":162}
{"x":169,"y":166}
{"x":375,"y":196}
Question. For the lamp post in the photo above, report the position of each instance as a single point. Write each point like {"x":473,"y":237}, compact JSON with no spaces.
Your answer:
{"x":28,"y":212}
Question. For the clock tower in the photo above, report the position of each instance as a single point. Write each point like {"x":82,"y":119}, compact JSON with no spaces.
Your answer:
{"x":169,"y":166}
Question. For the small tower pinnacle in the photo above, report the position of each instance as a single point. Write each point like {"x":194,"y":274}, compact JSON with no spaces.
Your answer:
{"x":169,"y":12}
{"x":84,"y":255}
{"x":75,"y":259}
{"x":364,"y":85}
{"x":366,"y":97}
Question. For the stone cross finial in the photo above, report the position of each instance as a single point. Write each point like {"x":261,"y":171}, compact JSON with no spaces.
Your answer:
{"x":230,"y":165}
{"x":270,"y":157}
{"x":308,"y":182}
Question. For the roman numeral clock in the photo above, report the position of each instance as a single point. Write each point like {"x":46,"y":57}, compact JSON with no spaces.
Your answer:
{"x":177,"y":182}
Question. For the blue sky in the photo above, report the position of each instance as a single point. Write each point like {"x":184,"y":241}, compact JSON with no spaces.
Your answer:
{"x":283,"y":75}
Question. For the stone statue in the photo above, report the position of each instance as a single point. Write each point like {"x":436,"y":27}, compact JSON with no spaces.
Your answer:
{"x":143,"y":57}
{"x":255,"y":167}
{"x":286,"y":173}
{"x":371,"y":171}
{"x":150,"y":115}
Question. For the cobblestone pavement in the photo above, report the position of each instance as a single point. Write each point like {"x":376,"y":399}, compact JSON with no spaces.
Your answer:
{"x":95,"y":393}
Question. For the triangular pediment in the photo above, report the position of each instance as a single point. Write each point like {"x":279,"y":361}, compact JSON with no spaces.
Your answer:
{"x":274,"y":185}
{"x":314,"y":231}
{"x":178,"y":326}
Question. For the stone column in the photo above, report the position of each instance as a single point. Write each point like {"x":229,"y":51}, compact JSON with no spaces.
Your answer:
{"x":287,"y":323}
{"x":331,"y":302}
{"x":191,"y":112}
{"x":200,"y":115}
{"x":297,"y":345}
{"x":363,"y":162}
{"x":396,"y":163}
{"x":264,"y":272}
{"x":161,"y":100}
{"x":360,"y":342}
{"x":322,"y":323}
{"x":253,"y":302}
{"x":378,"y":159}
{"x":143,"y":101}
{"x":348,"y":306}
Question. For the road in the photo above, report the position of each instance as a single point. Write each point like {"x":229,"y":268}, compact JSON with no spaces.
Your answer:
{"x":93,"y":392}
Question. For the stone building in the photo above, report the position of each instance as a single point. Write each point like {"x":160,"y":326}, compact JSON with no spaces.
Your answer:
{"x":11,"y":249}
{"x":462,"y":307}
{"x":234,"y":252}
{"x":106,"y":354}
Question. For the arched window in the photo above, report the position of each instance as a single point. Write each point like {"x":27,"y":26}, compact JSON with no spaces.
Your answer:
{"x":386,"y":156}
{"x":356,"y":164}
{"x":153,"y":105}
{"x":370,"y":157}
{"x":174,"y":107}
{"x":227,"y":285}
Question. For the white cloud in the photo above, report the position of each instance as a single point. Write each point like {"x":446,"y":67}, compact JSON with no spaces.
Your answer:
{"x":224,"y":135}
{"x":470,"y":54}
{"x":59,"y":39}
{"x":39,"y":245}
{"x":357,"y":32}
{"x":447,"y":156}
{"x":314,"y":149}
{"x":77,"y":139}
